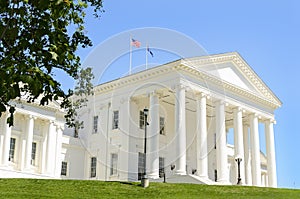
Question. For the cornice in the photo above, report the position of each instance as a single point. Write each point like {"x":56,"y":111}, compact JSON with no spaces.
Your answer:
{"x":137,"y":77}
{"x":267,"y":98}
{"x":37,"y":105}
{"x":255,"y":79}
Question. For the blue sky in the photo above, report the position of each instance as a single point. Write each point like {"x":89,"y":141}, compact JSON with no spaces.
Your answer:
{"x":266,"y":34}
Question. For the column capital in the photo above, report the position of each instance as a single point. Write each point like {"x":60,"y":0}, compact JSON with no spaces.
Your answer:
{"x":179,"y":86}
{"x":31,"y":117}
{"x":221,"y":102}
{"x":200,"y":95}
{"x":60,"y":127}
{"x":238,"y":108}
{"x":153,"y":93}
{"x":255,"y":115}
{"x":48,"y":122}
{"x":270,"y":120}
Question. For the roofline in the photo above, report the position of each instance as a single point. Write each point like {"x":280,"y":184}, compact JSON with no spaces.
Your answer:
{"x":259,"y":78}
{"x":175,"y":65}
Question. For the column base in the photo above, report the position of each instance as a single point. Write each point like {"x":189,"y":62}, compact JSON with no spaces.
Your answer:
{"x":27,"y":169}
{"x":204,"y":177}
{"x":223,"y":182}
{"x":180,"y":172}
{"x":153,"y":175}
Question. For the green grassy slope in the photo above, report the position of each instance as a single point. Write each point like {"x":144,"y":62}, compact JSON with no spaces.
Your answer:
{"x":33,"y":188}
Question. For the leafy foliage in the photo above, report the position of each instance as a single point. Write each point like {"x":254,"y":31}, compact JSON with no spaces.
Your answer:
{"x":82,"y":90}
{"x":36,"y":37}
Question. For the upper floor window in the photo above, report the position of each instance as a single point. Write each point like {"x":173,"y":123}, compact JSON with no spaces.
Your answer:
{"x":142,"y":120}
{"x":33,"y":153}
{"x":64,"y":168}
{"x":93,"y":167}
{"x":162,"y":125}
{"x":12,"y":149}
{"x":115,"y":120}
{"x":95,"y":124}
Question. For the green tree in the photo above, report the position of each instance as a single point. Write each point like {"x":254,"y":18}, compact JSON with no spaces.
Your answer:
{"x":37,"y":37}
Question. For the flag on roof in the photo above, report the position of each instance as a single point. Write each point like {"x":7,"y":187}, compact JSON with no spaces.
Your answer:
{"x":135,"y":43}
{"x":151,"y":53}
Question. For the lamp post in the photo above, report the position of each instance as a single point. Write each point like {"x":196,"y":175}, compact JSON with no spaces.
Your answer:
{"x":239,"y":160}
{"x":145,"y":180}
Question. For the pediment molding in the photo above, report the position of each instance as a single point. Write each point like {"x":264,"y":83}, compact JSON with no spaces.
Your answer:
{"x":246,"y":70}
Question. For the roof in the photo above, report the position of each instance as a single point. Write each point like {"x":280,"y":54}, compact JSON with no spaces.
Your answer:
{"x":228,"y":70}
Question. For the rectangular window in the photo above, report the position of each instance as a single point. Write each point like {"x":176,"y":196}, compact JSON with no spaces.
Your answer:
{"x":115,"y":120}
{"x":95,"y":124}
{"x":12,"y":149}
{"x":162,"y":125}
{"x":114,"y":164}
{"x":216,"y":175}
{"x":141,"y":166}
{"x":161,"y":167}
{"x":33,"y":153}
{"x":64,"y":168}
{"x":93,"y":167}
{"x":142,"y":120}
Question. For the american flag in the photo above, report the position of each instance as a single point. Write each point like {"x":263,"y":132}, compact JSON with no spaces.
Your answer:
{"x":135,"y":43}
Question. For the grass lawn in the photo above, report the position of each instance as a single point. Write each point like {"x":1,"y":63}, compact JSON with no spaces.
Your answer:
{"x":34,"y":188}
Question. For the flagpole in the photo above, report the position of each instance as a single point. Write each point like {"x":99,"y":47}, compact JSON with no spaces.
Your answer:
{"x":130,"y":55}
{"x":146,"y":55}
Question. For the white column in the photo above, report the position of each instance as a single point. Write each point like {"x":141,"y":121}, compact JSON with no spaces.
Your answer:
{"x":247,"y":162}
{"x":263,"y":182}
{"x":59,"y":131}
{"x":50,"y":155}
{"x":238,"y":140}
{"x":221,"y":145}
{"x":180,"y":130}
{"x":154,"y":136}
{"x":29,"y":139}
{"x":6,"y":143}
{"x":1,"y":147}
{"x":3,"y":122}
{"x":43,"y":148}
{"x":270,"y":149}
{"x":255,"y":150}
{"x":202,"y":155}
{"x":22,"y":154}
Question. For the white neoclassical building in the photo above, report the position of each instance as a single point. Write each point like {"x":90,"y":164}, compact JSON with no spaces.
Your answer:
{"x":32,"y":147}
{"x":193,"y":104}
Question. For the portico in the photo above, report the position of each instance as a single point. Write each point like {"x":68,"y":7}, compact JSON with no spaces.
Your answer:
{"x":192,"y":104}
{"x":225,"y":115}
{"x":27,"y":147}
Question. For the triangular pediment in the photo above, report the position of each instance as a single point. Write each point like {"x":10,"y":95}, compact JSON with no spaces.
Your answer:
{"x":233,"y":70}
{"x":228,"y":72}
